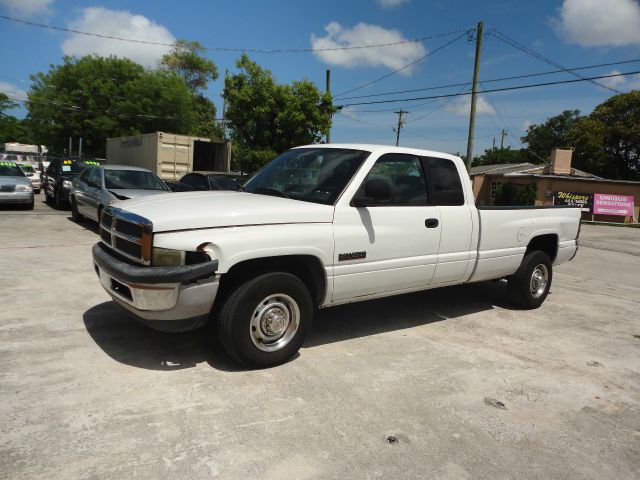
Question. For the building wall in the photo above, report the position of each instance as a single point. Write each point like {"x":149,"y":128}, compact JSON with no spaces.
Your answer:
{"x":545,"y":187}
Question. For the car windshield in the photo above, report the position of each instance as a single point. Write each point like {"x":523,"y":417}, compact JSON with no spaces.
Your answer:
{"x":316,"y":175}
{"x":70,"y":166}
{"x":10,"y":169}
{"x":220,"y":182}
{"x":136,"y":179}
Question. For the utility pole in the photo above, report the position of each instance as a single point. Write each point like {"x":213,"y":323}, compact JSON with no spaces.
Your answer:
{"x":494,"y":143}
{"x":328,"y":90}
{"x":70,"y":145}
{"x":503,"y":134}
{"x":224,"y":107}
{"x":80,"y":148}
{"x":400,"y":124}
{"x":474,"y":92}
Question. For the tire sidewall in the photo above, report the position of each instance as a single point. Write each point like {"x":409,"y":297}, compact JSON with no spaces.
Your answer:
{"x":523,"y":278}
{"x":241,"y":307}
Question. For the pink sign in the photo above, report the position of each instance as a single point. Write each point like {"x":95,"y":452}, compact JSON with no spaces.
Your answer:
{"x":608,"y":204}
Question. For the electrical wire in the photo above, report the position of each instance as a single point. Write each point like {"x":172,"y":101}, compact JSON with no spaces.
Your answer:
{"x":503,"y":89}
{"x":234,"y":49}
{"x":516,"y":77}
{"x":508,"y":40}
{"x":366,"y":84}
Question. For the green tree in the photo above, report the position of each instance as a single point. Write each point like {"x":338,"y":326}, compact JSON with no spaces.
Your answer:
{"x":266,"y":118}
{"x":11,"y":128}
{"x":494,"y":156}
{"x":99,"y":97}
{"x":607,"y":142}
{"x":540,"y":139}
{"x":187,"y":61}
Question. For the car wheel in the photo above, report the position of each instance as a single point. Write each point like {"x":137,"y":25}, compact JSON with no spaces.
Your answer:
{"x":59,"y":201}
{"x":75,"y":214}
{"x":265,"y":320}
{"x":529,"y":286}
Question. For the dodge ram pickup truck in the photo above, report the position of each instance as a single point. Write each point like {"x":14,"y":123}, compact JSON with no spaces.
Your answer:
{"x":319,"y":226}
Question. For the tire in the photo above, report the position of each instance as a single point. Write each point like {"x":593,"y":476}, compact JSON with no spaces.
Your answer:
{"x":530,"y":285}
{"x":75,"y":214}
{"x":276,"y":307}
{"x":59,"y":201}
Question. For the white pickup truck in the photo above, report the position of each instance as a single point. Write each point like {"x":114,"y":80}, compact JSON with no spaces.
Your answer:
{"x":319,"y":226}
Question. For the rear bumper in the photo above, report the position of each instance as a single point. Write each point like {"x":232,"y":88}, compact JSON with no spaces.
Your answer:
{"x":165,"y":298}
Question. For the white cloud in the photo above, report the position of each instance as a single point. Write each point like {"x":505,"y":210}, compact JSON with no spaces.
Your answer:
{"x":613,"y":82}
{"x":391,"y":3}
{"x":27,"y":8}
{"x":462,"y":106}
{"x":12,"y":90}
{"x":634,"y":82}
{"x":393,"y":57}
{"x":592,"y":23}
{"x":117,"y":23}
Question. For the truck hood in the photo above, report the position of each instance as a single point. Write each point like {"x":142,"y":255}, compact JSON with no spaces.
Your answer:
{"x":190,"y":210}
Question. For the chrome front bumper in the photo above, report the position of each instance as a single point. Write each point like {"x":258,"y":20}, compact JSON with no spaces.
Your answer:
{"x":164,"y":298}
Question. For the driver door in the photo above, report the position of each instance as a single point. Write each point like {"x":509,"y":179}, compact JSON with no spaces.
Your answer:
{"x":389,"y":244}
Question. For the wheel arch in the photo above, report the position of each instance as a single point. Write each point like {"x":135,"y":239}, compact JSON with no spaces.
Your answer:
{"x":308,"y":268}
{"x":547,"y":243}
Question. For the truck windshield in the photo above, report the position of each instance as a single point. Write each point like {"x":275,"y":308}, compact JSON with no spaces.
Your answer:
{"x":10,"y":169}
{"x":316,"y":175}
{"x":136,"y":179}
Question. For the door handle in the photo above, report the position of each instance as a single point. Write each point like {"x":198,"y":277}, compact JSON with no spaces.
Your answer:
{"x":431,"y":222}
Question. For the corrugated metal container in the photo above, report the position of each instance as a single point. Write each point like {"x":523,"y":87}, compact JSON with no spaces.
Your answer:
{"x":169,"y":155}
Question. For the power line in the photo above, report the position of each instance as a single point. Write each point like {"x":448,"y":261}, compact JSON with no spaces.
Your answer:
{"x":503,"y":89}
{"x":231,"y":49}
{"x":403,"y":67}
{"x":506,"y":39}
{"x":493,"y":80}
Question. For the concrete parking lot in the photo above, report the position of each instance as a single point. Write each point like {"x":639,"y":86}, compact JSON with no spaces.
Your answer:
{"x":444,"y":384}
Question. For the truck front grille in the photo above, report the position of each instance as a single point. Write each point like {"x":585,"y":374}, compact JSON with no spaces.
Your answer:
{"x":128,"y":234}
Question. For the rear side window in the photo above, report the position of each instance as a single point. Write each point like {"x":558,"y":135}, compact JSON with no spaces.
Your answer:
{"x":196,"y":181}
{"x":444,"y":183}
{"x":403,"y":173}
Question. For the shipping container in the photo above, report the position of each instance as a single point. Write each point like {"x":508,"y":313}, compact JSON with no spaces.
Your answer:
{"x":169,"y":155}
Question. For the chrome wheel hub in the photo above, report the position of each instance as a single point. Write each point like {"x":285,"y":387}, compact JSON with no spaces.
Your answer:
{"x":274,"y":322}
{"x":539,"y":280}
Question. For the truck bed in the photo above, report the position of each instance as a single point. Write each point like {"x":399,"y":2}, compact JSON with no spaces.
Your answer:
{"x":505,"y":232}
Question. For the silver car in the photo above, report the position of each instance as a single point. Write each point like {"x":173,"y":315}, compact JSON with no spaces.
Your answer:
{"x":15,"y":187}
{"x":100,"y":186}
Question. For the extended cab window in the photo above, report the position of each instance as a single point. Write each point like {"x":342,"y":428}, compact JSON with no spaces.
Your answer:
{"x":405,"y":179}
{"x":445,"y":187}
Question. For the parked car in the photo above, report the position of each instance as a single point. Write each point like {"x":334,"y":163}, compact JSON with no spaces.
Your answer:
{"x":319,"y":226}
{"x":15,"y":187}
{"x":57,"y":179}
{"x":32,"y":174}
{"x":202,"y":181}
{"x":99,"y":186}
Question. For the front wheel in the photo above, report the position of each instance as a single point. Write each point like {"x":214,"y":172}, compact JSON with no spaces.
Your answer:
{"x":58,"y":200}
{"x":75,"y":214}
{"x":529,"y":286}
{"x":265,"y":320}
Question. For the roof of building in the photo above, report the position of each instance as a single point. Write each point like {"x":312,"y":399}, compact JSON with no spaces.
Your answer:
{"x":516,"y":169}
{"x":501,"y":168}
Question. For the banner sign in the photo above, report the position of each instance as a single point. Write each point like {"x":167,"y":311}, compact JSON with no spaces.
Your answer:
{"x":609,"y":204}
{"x":573,"y":199}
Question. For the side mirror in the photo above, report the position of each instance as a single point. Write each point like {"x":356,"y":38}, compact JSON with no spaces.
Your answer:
{"x":377,"y":189}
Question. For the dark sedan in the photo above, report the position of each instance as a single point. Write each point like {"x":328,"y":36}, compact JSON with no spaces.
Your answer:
{"x":202,"y":181}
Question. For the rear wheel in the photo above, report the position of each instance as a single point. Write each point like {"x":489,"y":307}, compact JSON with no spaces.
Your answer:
{"x":529,"y":286}
{"x":265,"y":320}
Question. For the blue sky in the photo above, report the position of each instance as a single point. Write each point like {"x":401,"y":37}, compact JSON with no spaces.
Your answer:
{"x":572,"y":33}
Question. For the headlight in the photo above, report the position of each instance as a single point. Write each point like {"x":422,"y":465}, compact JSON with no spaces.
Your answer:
{"x":163,"y":257}
{"x":66,"y":184}
{"x":24,"y":188}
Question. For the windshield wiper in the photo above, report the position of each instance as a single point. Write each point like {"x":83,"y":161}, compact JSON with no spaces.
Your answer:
{"x":270,"y":191}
